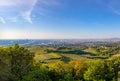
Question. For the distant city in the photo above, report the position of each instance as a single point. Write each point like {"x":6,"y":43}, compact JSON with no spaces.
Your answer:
{"x":56,"y":42}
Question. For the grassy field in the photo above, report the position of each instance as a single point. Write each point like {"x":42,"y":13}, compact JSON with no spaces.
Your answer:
{"x":48,"y":58}
{"x":42,"y":56}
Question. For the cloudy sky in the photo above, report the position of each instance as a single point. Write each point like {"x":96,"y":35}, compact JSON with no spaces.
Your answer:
{"x":56,"y":19}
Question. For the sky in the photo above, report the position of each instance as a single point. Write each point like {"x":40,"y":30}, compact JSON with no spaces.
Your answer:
{"x":59,"y":19}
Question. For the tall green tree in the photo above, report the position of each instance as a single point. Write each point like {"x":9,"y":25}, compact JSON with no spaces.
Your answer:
{"x":98,"y":71}
{"x":21,"y":60}
{"x":79,"y":68}
{"x":4,"y":64}
{"x":59,"y":70}
{"x":115,"y":63}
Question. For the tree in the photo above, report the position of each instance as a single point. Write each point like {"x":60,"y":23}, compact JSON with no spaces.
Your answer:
{"x":4,"y":64}
{"x":58,"y":71}
{"x":21,"y":60}
{"x":79,"y":67}
{"x":37,"y":74}
{"x":115,"y":63}
{"x":97,"y":71}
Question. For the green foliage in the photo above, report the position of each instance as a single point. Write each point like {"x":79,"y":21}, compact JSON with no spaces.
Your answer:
{"x":119,"y":74}
{"x":104,"y":50}
{"x":68,"y":77}
{"x":115,"y":64}
{"x":79,"y":67}
{"x":37,"y":74}
{"x":21,"y":60}
{"x":58,"y":70}
{"x":17,"y":64}
{"x":4,"y":64}
{"x":99,"y":70}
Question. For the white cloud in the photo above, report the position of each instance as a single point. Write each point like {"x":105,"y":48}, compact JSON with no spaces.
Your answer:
{"x":27,"y":16}
{"x":8,"y":2}
{"x":23,"y":8}
{"x":27,"y":13}
{"x":2,"y":20}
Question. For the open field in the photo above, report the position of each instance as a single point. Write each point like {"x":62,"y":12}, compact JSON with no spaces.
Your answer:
{"x":48,"y":55}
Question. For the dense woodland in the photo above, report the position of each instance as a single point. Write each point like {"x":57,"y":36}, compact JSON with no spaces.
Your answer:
{"x":81,"y":63}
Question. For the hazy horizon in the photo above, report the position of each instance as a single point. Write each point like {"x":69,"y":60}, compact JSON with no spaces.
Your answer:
{"x":59,"y":19}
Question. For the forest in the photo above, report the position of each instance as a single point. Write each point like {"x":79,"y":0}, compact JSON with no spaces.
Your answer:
{"x":76,"y":63}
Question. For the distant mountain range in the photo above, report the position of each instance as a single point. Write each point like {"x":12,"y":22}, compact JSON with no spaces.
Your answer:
{"x":114,"y":39}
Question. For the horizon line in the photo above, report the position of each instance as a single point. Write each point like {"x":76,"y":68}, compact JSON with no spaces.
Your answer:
{"x":61,"y":38}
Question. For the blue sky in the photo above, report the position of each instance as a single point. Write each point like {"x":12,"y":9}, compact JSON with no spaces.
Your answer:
{"x":59,"y":19}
